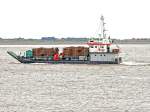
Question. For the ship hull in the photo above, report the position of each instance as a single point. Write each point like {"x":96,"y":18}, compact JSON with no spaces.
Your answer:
{"x":68,"y":62}
{"x":46,"y":60}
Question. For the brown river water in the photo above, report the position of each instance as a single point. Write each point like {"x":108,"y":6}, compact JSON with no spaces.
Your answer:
{"x":76,"y":88}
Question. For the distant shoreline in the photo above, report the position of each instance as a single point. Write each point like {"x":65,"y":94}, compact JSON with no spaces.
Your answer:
{"x":66,"y":41}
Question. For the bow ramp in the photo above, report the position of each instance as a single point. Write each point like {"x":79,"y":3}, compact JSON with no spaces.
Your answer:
{"x":14,"y":55}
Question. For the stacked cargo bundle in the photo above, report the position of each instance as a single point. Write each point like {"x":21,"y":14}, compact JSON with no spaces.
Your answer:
{"x":67,"y":51}
{"x":81,"y":51}
{"x":44,"y":52}
{"x":115,"y":51}
{"x":75,"y":51}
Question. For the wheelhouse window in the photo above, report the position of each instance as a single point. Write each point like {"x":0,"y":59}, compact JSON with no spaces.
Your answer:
{"x":91,"y":46}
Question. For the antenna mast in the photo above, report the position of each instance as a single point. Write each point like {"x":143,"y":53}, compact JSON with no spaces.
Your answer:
{"x":102,"y":27}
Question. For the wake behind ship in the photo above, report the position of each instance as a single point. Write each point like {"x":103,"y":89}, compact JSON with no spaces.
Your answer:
{"x":99,"y":51}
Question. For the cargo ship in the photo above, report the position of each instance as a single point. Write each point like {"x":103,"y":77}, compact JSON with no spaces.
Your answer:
{"x":99,"y":50}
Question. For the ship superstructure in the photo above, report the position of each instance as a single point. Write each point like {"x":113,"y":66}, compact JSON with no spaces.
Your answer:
{"x":102,"y":49}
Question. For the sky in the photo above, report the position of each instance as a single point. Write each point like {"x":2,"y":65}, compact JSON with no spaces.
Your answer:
{"x":74,"y":18}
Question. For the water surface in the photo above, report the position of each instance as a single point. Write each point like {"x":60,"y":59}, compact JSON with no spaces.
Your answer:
{"x":76,"y":88}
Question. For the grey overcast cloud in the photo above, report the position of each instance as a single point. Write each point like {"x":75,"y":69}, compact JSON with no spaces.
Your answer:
{"x":74,"y":18}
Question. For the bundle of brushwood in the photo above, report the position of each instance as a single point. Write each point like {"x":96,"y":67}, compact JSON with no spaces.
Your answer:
{"x":75,"y":51}
{"x":37,"y":52}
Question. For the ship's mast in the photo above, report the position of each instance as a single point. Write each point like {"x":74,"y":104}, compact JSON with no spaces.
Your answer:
{"x":102,"y":27}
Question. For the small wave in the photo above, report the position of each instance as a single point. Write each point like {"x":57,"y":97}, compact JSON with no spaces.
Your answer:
{"x":132,"y":63}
